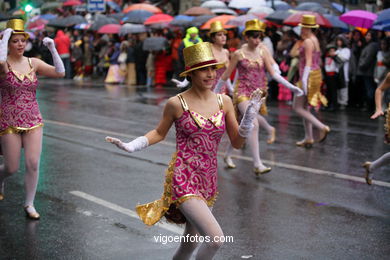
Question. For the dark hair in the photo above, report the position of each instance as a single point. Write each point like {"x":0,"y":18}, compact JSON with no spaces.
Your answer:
{"x":253,"y":34}
{"x":343,"y":39}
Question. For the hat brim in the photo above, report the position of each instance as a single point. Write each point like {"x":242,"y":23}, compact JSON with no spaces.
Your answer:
{"x":245,"y":31}
{"x":217,"y":64}
{"x":24,"y":33}
{"x":223,"y":30}
{"x":308,"y":26}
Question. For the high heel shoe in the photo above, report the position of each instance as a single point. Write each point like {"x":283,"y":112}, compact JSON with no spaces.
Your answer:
{"x":324,"y":133}
{"x":368,"y":175}
{"x":305,"y":143}
{"x":1,"y":196}
{"x":229,"y":163}
{"x":272,"y":137}
{"x":31,"y":215}
{"x":258,"y":172}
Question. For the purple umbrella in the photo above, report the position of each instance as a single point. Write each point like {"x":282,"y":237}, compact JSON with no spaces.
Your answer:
{"x":359,"y":18}
{"x":240,"y":20}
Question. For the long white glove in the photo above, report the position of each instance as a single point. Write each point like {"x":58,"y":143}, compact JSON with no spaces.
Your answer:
{"x":4,"y":44}
{"x":229,"y":87}
{"x":290,"y":86}
{"x":58,"y":64}
{"x":181,"y":84}
{"x":219,"y":85}
{"x":136,"y":145}
{"x":305,"y":78}
{"x":276,"y":68}
{"x":251,"y":111}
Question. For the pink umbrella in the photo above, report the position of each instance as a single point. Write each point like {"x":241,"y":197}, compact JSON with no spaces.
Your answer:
{"x":359,"y":18}
{"x":110,"y":29}
{"x":72,"y":3}
{"x":158,"y":18}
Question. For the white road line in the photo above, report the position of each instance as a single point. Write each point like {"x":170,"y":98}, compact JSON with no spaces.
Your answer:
{"x":245,"y":158}
{"x":170,"y":227}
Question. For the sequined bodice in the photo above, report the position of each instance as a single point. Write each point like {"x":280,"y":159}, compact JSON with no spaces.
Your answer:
{"x":219,"y":72}
{"x":315,"y":64}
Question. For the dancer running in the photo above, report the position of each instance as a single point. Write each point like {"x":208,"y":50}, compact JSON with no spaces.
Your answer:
{"x":370,"y":167}
{"x":310,"y":82}
{"x":191,"y":179}
{"x":21,"y":121}
{"x":252,"y":61}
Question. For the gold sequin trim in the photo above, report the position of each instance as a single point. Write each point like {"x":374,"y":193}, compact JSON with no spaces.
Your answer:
{"x":314,"y":96}
{"x":19,"y":130}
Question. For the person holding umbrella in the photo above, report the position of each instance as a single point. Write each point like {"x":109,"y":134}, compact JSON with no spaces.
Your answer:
{"x":310,"y":82}
{"x":21,"y":121}
{"x":190,"y":187}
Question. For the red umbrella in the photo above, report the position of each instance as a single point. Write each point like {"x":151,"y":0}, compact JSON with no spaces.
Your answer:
{"x":72,"y":3}
{"x":158,"y":18}
{"x":37,"y":24}
{"x":296,"y":18}
{"x":147,"y":7}
{"x":110,"y":29}
{"x":223,"y":18}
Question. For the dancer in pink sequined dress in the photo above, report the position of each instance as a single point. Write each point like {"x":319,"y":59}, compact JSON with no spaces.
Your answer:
{"x":20,"y":120}
{"x":200,"y":117}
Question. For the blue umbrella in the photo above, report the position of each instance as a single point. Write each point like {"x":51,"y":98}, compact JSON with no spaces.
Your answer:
{"x":279,"y":5}
{"x":311,"y":6}
{"x":383,"y":17}
{"x":382,"y":27}
{"x":335,"y":21}
{"x":114,"y":6}
{"x":137,"y":16}
{"x":340,"y":8}
{"x":48,"y":16}
{"x":182,"y":20}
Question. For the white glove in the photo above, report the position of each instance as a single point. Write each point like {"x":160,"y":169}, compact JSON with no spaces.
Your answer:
{"x":58,"y":64}
{"x":229,"y":87}
{"x":305,"y":78}
{"x":136,"y":145}
{"x":219,"y":85}
{"x":276,"y":68}
{"x":4,"y":44}
{"x":181,"y":84}
{"x":251,"y":111}
{"x":290,"y":86}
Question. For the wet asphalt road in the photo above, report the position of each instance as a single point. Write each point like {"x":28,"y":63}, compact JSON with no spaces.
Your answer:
{"x":313,"y":205}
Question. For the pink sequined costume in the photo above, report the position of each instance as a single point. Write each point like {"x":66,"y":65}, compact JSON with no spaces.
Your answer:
{"x":192,"y":171}
{"x":19,"y":106}
{"x":220,"y":71}
{"x":314,"y":82}
{"x":251,"y":76}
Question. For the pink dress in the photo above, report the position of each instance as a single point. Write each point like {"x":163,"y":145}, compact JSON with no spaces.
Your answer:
{"x":192,"y":172}
{"x":19,"y":106}
{"x":314,"y":96}
{"x":251,"y":76}
{"x":220,"y":71}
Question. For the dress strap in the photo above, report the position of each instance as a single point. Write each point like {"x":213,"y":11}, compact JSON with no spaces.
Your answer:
{"x":30,"y":63}
{"x":183,"y":102}
{"x":220,"y":101}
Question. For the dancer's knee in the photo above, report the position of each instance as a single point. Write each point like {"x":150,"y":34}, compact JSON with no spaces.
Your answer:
{"x":10,"y":169}
{"x":32,"y":165}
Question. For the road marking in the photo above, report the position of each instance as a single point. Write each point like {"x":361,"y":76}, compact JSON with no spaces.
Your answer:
{"x":170,"y":227}
{"x":244,"y":158}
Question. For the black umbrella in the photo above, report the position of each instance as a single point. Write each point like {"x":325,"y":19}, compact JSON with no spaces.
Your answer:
{"x":155,"y":44}
{"x":278,"y":16}
{"x":67,"y":21}
{"x":136,"y":16}
{"x":130,"y":28}
{"x":101,"y":20}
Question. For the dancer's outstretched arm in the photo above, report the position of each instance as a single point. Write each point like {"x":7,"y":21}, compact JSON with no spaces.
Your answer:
{"x":6,"y":35}
{"x":171,"y":112}
{"x":378,"y":96}
{"x":225,"y":76}
{"x":56,"y":71}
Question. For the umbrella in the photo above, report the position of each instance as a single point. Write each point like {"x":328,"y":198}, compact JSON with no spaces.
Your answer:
{"x":155,"y":44}
{"x":182,"y":20}
{"x":129,"y":28}
{"x":136,"y":16}
{"x":47,"y":16}
{"x":240,"y":20}
{"x":223,"y":18}
{"x":147,"y":7}
{"x":340,"y":8}
{"x":213,"y":4}
{"x":72,"y":3}
{"x":261,"y":10}
{"x":223,"y":11}
{"x":158,"y":18}
{"x":313,"y":7}
{"x":101,"y":20}
{"x":279,"y":5}
{"x":359,"y":18}
{"x":383,"y":17}
{"x":382,"y":27}
{"x":117,"y":16}
{"x":200,"y":20}
{"x":38,"y":24}
{"x":82,"y":26}
{"x":296,"y":18}
{"x":196,"y":11}
{"x":110,"y":29}
{"x":50,"y":5}
{"x":74,"y":19}
{"x":240,"y":4}
{"x":335,"y":21}
{"x":278,"y":16}
{"x":114,"y":6}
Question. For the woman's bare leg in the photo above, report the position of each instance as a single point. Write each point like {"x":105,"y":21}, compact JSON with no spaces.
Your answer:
{"x":11,"y":145}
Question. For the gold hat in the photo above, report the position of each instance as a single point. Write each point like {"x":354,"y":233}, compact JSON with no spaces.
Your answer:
{"x":308,"y":21}
{"x":254,"y":25}
{"x":18,"y":26}
{"x":199,"y":56}
{"x":217,"y":27}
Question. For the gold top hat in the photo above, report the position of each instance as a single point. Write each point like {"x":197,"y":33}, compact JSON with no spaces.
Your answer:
{"x":254,"y":25}
{"x":216,"y":27}
{"x":199,"y":56}
{"x":308,"y":21}
{"x":18,"y":26}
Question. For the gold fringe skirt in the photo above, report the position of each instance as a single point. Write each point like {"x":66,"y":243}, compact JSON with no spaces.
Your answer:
{"x":19,"y":130}
{"x":238,"y":99}
{"x":314,"y":96}
{"x":150,"y":213}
